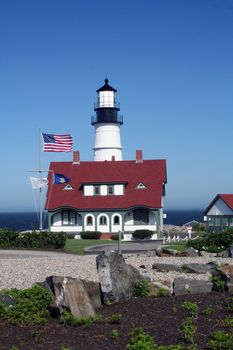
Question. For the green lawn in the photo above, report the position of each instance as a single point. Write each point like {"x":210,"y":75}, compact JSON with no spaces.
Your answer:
{"x":180,"y":246}
{"x":76,"y":246}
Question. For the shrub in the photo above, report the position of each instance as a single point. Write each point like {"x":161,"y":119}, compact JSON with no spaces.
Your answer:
{"x":140,"y":341}
{"x":31,"y":306}
{"x":188,"y":329}
{"x":220,"y":341}
{"x":162,"y":292}
{"x":141,"y":288}
{"x":208,"y":311}
{"x":115,"y":236}
{"x":213,"y":242}
{"x":67,"y":318}
{"x":34,"y":239}
{"x":141,"y":234}
{"x":91,"y":235}
{"x":218,"y":284}
{"x":116,"y":318}
{"x":192,"y":308}
{"x":115,"y":334}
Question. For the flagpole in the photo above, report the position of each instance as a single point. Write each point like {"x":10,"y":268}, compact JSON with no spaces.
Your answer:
{"x":40,"y":174}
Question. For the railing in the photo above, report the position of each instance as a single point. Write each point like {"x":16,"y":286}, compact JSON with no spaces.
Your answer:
{"x":117,"y":119}
{"x":177,"y":238}
{"x":106,"y":104}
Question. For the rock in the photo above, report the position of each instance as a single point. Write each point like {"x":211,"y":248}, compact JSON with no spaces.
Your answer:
{"x":117,"y":279}
{"x":231,"y":251}
{"x":169,"y":251}
{"x":142,"y":267}
{"x":225,"y":273}
{"x":182,"y":286}
{"x":205,"y":254}
{"x":7,"y":300}
{"x":196,"y":268}
{"x":223,"y":254}
{"x":190,"y":251}
{"x":213,"y":264}
{"x":158,"y":250}
{"x":165,"y":267}
{"x":78,"y":296}
{"x":156,"y":287}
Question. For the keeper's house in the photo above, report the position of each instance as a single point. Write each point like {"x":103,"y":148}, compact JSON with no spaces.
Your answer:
{"x":107,"y":196}
{"x":219,"y":214}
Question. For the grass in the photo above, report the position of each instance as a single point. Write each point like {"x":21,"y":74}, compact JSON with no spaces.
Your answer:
{"x":180,"y":246}
{"x":77,"y":246}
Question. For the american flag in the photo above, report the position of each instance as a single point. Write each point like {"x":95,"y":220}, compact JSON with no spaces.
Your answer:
{"x":57,"y":143}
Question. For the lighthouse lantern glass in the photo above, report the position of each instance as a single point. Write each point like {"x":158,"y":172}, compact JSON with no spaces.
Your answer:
{"x":106,"y":99}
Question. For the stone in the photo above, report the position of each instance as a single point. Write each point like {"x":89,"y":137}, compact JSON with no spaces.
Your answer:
{"x":225,"y":273}
{"x":169,"y":251}
{"x":190,"y":251}
{"x":183,"y":286}
{"x":158,"y":250}
{"x":6,"y":299}
{"x":231,"y":251}
{"x":156,"y":287}
{"x":205,"y":254}
{"x":117,"y":279}
{"x":223,"y":254}
{"x":78,"y":296}
{"x":160,"y":267}
{"x":196,"y":268}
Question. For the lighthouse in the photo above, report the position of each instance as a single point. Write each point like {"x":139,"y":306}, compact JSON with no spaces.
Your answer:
{"x":107,"y":123}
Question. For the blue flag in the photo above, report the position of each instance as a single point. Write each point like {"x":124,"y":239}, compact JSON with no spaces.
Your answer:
{"x":60,"y":179}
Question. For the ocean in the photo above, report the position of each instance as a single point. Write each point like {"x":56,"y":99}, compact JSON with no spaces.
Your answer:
{"x":29,"y":221}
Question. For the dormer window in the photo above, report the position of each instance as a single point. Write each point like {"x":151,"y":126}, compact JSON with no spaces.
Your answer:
{"x":110,"y":189}
{"x":68,"y":187}
{"x":140,"y":185}
{"x":96,"y":190}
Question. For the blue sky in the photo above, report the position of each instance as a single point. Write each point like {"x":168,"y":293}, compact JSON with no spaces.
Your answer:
{"x":171,"y":62}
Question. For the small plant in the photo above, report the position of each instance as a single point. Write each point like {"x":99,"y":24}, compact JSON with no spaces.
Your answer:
{"x":14,"y":348}
{"x":188,"y":328}
{"x":140,"y":341}
{"x":66,"y":348}
{"x":115,"y":334}
{"x":229,"y":322}
{"x":220,"y":341}
{"x":169,"y":347}
{"x":161,"y":293}
{"x":141,"y":289}
{"x":116,"y":318}
{"x":192,"y":308}
{"x":218,"y":284}
{"x":67,"y":318}
{"x":230,"y":304}
{"x":208,"y":311}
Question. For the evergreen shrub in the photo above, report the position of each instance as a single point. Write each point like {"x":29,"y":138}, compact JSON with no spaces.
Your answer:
{"x":213,"y":242}
{"x":91,"y":235}
{"x":141,"y":234}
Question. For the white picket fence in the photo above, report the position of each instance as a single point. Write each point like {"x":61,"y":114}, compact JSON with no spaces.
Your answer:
{"x":177,"y":238}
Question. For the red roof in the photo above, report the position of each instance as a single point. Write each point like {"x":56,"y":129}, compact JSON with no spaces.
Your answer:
{"x":152,"y":173}
{"x":227,"y":199}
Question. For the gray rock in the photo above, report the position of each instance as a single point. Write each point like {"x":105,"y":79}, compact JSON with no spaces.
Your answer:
{"x":160,"y":267}
{"x":169,"y":251}
{"x":117,"y":279}
{"x":7,"y":300}
{"x":223,"y":254}
{"x":231,"y":251}
{"x":182,"y":286}
{"x":213,"y":264}
{"x":196,"y":268}
{"x":78,"y":296}
{"x":205,"y":254}
{"x":225,"y":273}
{"x":190,"y":251}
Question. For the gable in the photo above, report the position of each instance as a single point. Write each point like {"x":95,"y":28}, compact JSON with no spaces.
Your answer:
{"x":140,"y":185}
{"x":219,"y":207}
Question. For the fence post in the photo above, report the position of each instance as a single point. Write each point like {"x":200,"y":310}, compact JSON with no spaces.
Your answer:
{"x":119,"y":242}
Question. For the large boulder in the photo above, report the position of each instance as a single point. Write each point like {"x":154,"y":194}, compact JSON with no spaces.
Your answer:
{"x":196,"y":268}
{"x":182,"y":286}
{"x":117,"y":279}
{"x":81,"y":297}
{"x":160,"y":267}
{"x":190,"y":251}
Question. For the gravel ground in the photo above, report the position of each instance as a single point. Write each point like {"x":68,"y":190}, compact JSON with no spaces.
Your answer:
{"x":23,"y":271}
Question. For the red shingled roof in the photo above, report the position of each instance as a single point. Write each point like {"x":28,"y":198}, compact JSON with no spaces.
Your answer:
{"x":152,"y":173}
{"x":227,"y":198}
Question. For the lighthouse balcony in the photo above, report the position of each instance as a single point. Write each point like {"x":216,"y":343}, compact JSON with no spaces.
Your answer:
{"x":107,"y":104}
{"x":107,"y":118}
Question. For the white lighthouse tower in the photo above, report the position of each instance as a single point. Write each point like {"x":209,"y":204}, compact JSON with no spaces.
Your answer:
{"x":107,"y":122}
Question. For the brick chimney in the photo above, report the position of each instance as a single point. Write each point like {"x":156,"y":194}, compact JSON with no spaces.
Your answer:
{"x":113,"y":158}
{"x":76,"y":157}
{"x":139,"y":156}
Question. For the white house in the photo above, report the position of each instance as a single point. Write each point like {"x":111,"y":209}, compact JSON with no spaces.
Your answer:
{"x":219,"y":214}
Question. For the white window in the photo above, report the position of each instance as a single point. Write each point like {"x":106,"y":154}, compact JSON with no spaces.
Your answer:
{"x":103,"y":220}
{"x":89,"y":220}
{"x":116,"y":220}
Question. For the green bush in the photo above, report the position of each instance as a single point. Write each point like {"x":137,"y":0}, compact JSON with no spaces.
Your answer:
{"x":140,"y":341}
{"x":218,"y":284}
{"x":141,"y":288}
{"x":31,"y":306}
{"x":141,"y":234}
{"x":68,"y":319}
{"x":116,"y":318}
{"x":34,"y":239}
{"x":91,"y":235}
{"x":220,"y":341}
{"x":213,"y":242}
